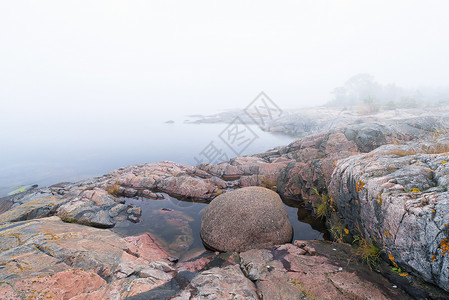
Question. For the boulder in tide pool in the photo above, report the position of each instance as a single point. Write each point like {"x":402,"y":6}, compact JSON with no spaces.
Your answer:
{"x":244,"y":219}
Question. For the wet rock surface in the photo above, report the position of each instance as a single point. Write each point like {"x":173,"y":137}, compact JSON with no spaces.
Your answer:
{"x":381,"y":175}
{"x":243,"y":219}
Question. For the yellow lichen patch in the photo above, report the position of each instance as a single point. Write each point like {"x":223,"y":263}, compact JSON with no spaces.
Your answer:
{"x":387,"y":233}
{"x":51,"y":235}
{"x":300,"y":287}
{"x":379,"y":198}
{"x":392,"y":260}
{"x":433,"y":257}
{"x":415,"y":190}
{"x":443,"y":162}
{"x":433,"y":210}
{"x":359,"y":185}
{"x":444,"y":246}
{"x":346,"y":231}
{"x":403,"y":274}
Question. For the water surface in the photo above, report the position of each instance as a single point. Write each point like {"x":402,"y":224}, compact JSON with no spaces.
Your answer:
{"x":176,"y":223}
{"x":46,"y":154}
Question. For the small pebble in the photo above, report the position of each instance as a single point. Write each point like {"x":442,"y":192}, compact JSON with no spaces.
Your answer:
{"x":395,"y":286}
{"x":334,"y":249}
{"x":133,"y":218}
{"x":340,"y":269}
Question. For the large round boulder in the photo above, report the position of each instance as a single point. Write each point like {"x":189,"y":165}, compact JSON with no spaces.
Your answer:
{"x":244,"y":219}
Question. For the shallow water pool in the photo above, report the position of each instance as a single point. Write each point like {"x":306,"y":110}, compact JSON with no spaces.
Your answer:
{"x":176,"y":223}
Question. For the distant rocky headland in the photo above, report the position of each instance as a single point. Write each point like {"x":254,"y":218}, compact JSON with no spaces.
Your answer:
{"x":310,"y":120}
{"x":379,"y":180}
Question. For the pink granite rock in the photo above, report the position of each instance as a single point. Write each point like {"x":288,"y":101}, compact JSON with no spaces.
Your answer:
{"x":244,"y":219}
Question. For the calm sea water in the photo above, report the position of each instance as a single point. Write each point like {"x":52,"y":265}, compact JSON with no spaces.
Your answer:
{"x":46,"y":153}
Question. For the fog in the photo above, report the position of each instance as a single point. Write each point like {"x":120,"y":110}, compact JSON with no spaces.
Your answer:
{"x":68,"y":60}
{"x":74,"y":68}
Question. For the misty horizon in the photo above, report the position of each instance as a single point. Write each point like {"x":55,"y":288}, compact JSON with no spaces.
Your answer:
{"x":79,"y":79}
{"x":69,"y":60}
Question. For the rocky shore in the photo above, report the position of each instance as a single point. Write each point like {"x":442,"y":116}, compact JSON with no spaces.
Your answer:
{"x":385,"y":179}
{"x":311,"y":120}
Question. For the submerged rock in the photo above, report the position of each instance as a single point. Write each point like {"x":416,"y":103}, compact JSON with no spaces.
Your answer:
{"x":174,"y":227}
{"x":244,"y":219}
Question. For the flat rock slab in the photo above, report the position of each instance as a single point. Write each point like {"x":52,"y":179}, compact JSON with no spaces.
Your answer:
{"x":30,"y":206}
{"x":315,"y":270}
{"x":34,"y":245}
{"x":47,"y":257}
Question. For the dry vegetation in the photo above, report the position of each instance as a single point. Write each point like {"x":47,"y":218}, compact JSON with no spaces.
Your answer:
{"x":368,"y":251}
{"x":114,"y":190}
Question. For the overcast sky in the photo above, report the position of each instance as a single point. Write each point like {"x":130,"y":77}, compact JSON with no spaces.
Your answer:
{"x":98,"y":59}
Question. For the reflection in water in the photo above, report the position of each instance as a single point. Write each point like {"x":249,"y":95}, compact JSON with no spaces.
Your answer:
{"x":176,"y":223}
{"x":309,"y":227}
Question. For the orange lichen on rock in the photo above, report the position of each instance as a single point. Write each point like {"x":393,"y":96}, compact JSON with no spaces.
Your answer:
{"x":379,"y":198}
{"x":392,"y":260}
{"x":359,"y":185}
{"x":444,"y":246}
